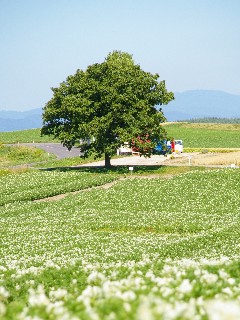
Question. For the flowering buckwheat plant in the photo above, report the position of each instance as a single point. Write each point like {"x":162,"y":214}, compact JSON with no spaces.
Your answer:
{"x":142,"y":249}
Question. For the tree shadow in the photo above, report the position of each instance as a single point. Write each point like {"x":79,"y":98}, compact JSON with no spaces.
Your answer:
{"x":139,"y":169}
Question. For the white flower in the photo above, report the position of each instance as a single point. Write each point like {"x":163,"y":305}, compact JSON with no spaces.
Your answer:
{"x":166,"y":291}
{"x":3,"y":292}
{"x":95,"y":276}
{"x":223,"y":274}
{"x":127,"y":307}
{"x":222,"y":310}
{"x":128,"y":296}
{"x":144,"y":311}
{"x":231,"y":281}
{"x":38,"y":297}
{"x":227,"y":290}
{"x":185,"y":286}
{"x":209,"y":278}
{"x":2,"y":309}
{"x":58,"y":294}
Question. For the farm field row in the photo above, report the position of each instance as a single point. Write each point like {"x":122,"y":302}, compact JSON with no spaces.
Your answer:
{"x":142,"y":249}
{"x":41,"y":184}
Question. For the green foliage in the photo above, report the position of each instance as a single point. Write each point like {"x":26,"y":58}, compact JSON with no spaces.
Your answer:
{"x":143,"y":249}
{"x":25,"y":136}
{"x":204,"y":135}
{"x":108,"y":104}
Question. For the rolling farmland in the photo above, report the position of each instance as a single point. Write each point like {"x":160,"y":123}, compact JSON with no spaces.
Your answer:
{"x":141,"y":249}
{"x":205,"y":135}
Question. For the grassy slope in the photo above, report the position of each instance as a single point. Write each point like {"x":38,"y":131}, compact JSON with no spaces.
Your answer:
{"x":19,"y":155}
{"x":24,"y":136}
{"x":205,"y":135}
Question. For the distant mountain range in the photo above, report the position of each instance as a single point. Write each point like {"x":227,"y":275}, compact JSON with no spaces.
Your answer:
{"x":20,"y":120}
{"x":187,"y":105}
{"x":202,"y":104}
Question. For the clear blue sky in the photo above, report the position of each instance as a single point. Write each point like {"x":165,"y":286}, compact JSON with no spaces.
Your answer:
{"x":192,"y":44}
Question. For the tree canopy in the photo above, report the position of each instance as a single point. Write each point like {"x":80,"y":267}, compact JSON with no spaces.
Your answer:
{"x":110,"y":103}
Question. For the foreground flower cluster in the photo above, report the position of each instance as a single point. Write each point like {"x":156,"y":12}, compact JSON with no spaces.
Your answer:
{"x":143,"y":249}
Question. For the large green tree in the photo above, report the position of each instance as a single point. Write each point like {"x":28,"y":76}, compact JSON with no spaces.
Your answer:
{"x":108,"y":104}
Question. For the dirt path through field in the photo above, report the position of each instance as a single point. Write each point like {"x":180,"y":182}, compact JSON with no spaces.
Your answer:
{"x":63,"y":195}
{"x":104,"y":186}
{"x":216,"y":160}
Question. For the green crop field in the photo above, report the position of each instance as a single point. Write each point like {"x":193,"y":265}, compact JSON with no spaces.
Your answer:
{"x":205,"y":135}
{"x":194,"y":135}
{"x":31,"y":135}
{"x":141,"y":249}
{"x":39,"y":184}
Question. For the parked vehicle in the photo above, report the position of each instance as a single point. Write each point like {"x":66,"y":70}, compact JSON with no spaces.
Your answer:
{"x":163,"y":148}
{"x":124,"y":150}
{"x":166,"y":147}
{"x":178,"y":146}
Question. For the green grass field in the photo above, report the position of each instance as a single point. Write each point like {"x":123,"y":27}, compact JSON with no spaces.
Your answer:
{"x":141,"y":249}
{"x":194,"y":135}
{"x":31,"y":135}
{"x":205,"y":135}
{"x":17,"y":155}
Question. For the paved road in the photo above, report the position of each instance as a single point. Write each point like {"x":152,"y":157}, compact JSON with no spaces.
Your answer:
{"x":55,"y":148}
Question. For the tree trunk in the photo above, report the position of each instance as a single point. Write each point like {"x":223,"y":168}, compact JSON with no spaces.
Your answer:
{"x":107,"y":160}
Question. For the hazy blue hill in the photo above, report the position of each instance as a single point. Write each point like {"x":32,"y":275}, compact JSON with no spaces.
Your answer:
{"x":4,"y":114}
{"x":203,"y":103}
{"x":187,"y":105}
{"x":20,"y":120}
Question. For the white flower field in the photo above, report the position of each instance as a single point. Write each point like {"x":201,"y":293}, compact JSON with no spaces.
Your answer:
{"x":143,"y":249}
